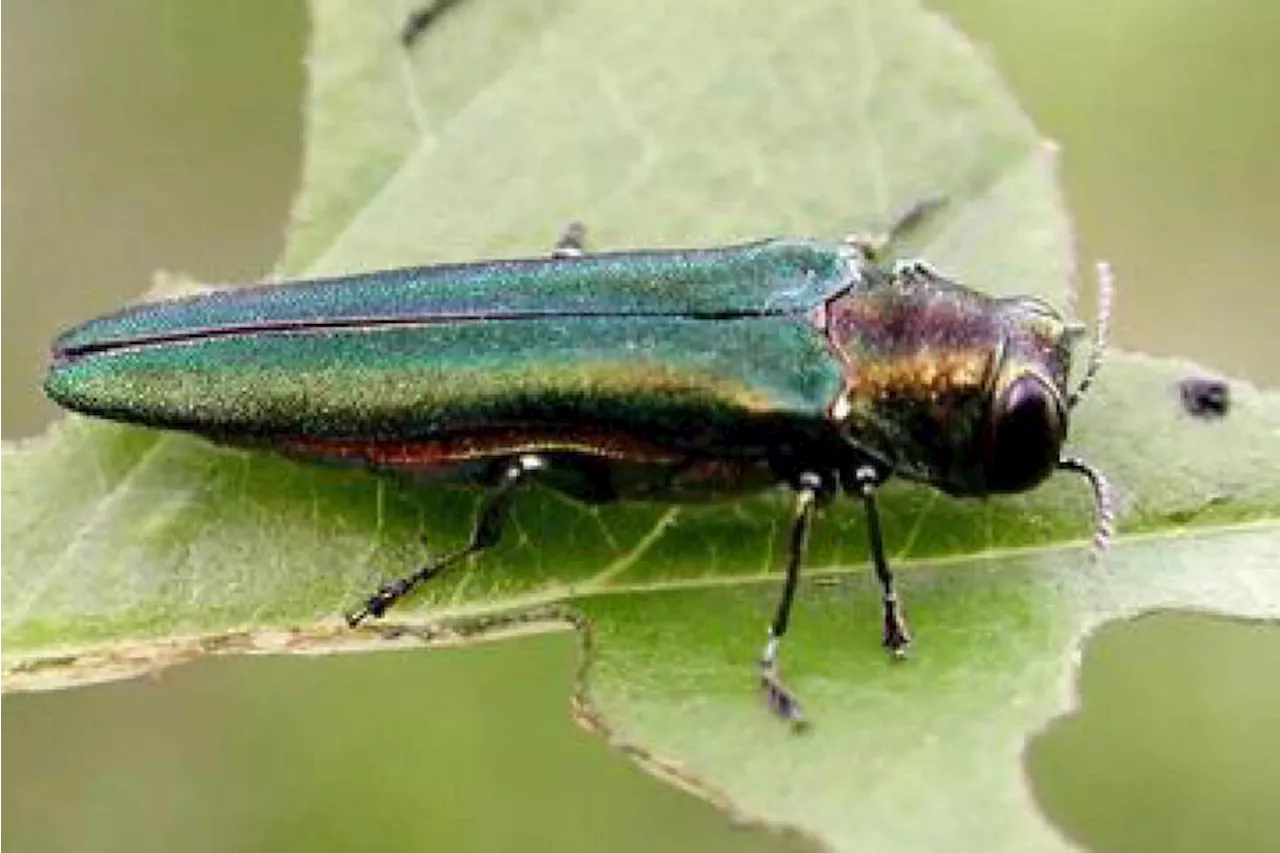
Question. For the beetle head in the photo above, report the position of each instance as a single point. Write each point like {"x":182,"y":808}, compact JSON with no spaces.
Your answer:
{"x":969,"y":394}
{"x":951,"y":387}
{"x":1025,"y":424}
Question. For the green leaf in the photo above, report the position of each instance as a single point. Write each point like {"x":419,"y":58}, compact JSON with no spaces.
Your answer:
{"x":672,"y":123}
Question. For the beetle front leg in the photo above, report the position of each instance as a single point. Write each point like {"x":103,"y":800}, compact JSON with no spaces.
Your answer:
{"x":780,"y":698}
{"x":896,"y":635}
{"x":486,"y":533}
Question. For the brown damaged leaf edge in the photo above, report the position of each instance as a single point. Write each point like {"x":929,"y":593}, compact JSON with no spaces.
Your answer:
{"x":140,"y":659}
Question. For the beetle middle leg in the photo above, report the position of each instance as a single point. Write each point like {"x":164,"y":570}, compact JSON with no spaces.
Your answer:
{"x":896,"y":636}
{"x":486,"y":533}
{"x":810,"y":488}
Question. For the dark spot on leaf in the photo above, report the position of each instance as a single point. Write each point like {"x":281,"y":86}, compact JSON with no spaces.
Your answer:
{"x":1204,"y":397}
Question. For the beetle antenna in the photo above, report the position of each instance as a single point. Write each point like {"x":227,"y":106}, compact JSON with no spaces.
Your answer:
{"x":1102,"y":331}
{"x":1103,"y":514}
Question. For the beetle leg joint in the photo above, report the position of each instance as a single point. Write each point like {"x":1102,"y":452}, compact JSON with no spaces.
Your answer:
{"x":868,"y":478}
{"x":531,"y":462}
{"x":809,"y":481}
{"x":769,"y":659}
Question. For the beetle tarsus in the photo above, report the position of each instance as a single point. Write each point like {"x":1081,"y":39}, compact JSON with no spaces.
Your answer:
{"x":780,"y":698}
{"x":381,"y":601}
{"x":896,"y":635}
{"x":375,"y":606}
{"x":782,"y":701}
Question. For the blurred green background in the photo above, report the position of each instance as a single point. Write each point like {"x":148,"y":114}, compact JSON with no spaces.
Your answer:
{"x":145,"y":134}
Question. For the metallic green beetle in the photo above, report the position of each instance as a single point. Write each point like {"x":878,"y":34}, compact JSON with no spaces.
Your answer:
{"x":644,"y":375}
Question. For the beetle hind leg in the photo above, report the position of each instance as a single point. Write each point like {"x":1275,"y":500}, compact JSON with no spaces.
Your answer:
{"x":487,"y":532}
{"x":782,"y":701}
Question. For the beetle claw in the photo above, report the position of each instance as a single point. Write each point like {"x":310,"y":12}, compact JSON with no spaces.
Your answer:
{"x":782,"y":701}
{"x":896,"y":635}
{"x":378,"y":603}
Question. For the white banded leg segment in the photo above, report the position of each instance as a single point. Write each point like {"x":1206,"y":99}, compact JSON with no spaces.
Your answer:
{"x":781,"y":700}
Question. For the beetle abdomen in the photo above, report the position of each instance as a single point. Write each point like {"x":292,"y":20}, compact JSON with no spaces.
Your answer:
{"x":589,"y":465}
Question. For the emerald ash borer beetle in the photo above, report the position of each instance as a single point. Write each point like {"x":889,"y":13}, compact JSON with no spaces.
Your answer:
{"x":641,"y":375}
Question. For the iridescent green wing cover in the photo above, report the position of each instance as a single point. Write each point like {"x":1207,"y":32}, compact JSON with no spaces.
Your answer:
{"x":683,"y":346}
{"x":767,"y":277}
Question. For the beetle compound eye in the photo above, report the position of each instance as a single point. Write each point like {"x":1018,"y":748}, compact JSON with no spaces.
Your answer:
{"x":1025,"y":436}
